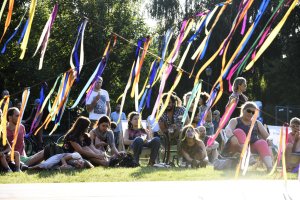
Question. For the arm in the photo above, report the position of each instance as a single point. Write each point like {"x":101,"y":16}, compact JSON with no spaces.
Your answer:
{"x":296,"y":141}
{"x":111,"y":141}
{"x":126,"y":138}
{"x":7,"y":147}
{"x":92,"y":105}
{"x":208,"y":116}
{"x":65,"y":159}
{"x":262,"y":130}
{"x":84,"y":152}
{"x":162,"y":126}
{"x":230,"y":127}
{"x":186,"y":156}
{"x":108,"y":108}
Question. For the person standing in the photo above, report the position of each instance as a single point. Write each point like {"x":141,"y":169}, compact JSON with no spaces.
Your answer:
{"x":238,"y":88}
{"x":98,"y":103}
{"x":115,"y":117}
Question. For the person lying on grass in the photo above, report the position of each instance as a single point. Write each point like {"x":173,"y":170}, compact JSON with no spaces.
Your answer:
{"x":63,"y":161}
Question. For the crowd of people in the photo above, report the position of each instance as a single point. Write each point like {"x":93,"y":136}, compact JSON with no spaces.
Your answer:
{"x":95,"y":140}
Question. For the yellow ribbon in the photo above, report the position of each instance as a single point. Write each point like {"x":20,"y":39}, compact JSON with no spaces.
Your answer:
{"x":272,"y":36}
{"x":4,"y":119}
{"x":246,"y":143}
{"x":27,"y":33}
{"x":123,"y":96}
{"x":160,"y":113}
{"x":2,"y":8}
{"x":25,"y":96}
{"x":8,"y":17}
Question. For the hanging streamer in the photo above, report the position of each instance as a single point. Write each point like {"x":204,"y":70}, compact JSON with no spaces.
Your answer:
{"x":123,"y":96}
{"x":74,"y":54}
{"x":14,"y":33}
{"x":3,"y":124}
{"x":37,"y":117}
{"x":191,"y":99}
{"x":168,"y":66}
{"x":45,"y":35}
{"x":162,"y":110}
{"x":2,"y":8}
{"x":272,"y":35}
{"x":25,"y":97}
{"x":8,"y":17}
{"x":97,"y":73}
{"x":245,"y":161}
{"x":223,"y":121}
{"x":28,"y":28}
{"x":246,"y":142}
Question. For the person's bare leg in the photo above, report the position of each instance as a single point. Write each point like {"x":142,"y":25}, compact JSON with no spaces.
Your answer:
{"x":36,"y":158}
{"x":17,"y":161}
{"x":288,"y":151}
{"x":99,"y":162}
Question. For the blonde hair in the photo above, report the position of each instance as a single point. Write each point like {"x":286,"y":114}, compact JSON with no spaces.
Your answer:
{"x":238,"y":81}
{"x":295,"y":121}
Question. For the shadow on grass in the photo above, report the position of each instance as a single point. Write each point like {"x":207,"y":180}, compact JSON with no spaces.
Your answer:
{"x":144,"y":170}
{"x":51,"y":173}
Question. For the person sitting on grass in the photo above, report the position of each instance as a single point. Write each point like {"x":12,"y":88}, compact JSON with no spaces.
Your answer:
{"x":212,"y":151}
{"x":63,"y":161}
{"x":293,"y":145}
{"x":137,"y":138}
{"x":102,"y":137}
{"x":237,"y":130}
{"x":76,"y":139}
{"x":5,"y":154}
{"x":192,"y":148}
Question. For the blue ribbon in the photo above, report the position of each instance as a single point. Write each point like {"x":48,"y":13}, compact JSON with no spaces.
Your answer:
{"x":23,"y":32}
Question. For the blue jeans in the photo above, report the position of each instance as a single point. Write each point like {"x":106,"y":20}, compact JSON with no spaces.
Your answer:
{"x":138,"y":144}
{"x":116,"y":136}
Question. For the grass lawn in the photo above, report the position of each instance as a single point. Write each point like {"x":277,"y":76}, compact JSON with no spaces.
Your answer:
{"x":143,"y":173}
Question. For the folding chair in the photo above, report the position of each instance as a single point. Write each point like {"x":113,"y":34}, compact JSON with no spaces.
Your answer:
{"x":146,"y":151}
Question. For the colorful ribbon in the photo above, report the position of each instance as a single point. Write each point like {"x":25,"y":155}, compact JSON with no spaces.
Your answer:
{"x":245,"y":147}
{"x":74,"y":54}
{"x":28,"y":28}
{"x":25,"y":97}
{"x":97,"y":73}
{"x":8,"y":17}
{"x":45,"y":36}
{"x":14,"y":33}
{"x":3,"y":124}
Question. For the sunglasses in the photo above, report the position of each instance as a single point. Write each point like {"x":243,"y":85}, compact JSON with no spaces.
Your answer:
{"x":250,"y":111}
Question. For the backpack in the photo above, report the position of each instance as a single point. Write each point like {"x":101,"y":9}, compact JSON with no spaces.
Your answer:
{"x":124,"y":160}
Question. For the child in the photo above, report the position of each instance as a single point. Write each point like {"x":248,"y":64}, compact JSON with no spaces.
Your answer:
{"x":293,"y":145}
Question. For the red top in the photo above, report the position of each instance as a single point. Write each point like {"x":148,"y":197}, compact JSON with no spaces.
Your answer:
{"x":20,"y":139}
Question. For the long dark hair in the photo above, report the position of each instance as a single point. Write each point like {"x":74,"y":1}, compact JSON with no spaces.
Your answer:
{"x":79,"y":127}
{"x":130,"y":117}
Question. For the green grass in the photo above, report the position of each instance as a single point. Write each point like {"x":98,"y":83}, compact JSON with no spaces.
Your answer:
{"x":100,"y":174}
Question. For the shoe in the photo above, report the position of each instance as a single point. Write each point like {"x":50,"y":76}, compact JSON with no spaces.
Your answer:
{"x":151,"y":163}
{"x":24,"y":167}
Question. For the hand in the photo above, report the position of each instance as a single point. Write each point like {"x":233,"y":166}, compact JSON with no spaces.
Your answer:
{"x":297,"y":135}
{"x":96,"y":98}
{"x":64,"y":165}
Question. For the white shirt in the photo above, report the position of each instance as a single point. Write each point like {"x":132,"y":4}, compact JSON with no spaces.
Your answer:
{"x":101,"y":108}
